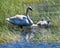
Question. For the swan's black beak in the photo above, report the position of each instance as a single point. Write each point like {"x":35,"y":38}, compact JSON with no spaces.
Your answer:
{"x":30,"y":8}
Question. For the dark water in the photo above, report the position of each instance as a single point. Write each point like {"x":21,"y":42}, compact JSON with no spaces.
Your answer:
{"x":24,"y":44}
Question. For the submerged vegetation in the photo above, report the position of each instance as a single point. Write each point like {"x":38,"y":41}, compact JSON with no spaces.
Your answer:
{"x":41,"y":8}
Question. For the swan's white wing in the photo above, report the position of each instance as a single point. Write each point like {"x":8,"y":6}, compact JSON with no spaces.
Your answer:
{"x":19,"y":16}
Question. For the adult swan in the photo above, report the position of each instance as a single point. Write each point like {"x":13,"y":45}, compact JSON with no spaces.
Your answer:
{"x":21,"y":20}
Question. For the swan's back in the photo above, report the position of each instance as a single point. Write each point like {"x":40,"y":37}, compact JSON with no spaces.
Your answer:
{"x":19,"y":16}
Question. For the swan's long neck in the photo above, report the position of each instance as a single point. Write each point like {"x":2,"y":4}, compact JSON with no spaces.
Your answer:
{"x":27,"y":12}
{"x":30,"y":21}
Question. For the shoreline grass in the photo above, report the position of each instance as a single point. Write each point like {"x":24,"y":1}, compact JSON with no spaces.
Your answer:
{"x":6,"y":37}
{"x":52,"y":38}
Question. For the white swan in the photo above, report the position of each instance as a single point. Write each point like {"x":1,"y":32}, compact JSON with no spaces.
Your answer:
{"x":44,"y":22}
{"x":21,"y":20}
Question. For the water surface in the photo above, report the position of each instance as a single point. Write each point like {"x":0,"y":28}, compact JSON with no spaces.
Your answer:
{"x":24,"y":44}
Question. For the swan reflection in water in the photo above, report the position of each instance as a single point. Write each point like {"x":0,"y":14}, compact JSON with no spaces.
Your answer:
{"x":29,"y":33}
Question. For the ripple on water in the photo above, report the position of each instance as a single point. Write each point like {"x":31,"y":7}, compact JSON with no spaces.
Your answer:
{"x":25,"y":44}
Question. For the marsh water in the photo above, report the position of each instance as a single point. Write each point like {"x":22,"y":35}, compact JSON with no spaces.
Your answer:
{"x":23,"y":44}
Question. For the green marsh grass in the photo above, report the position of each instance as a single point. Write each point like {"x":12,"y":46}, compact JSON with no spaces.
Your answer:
{"x":9,"y":8}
